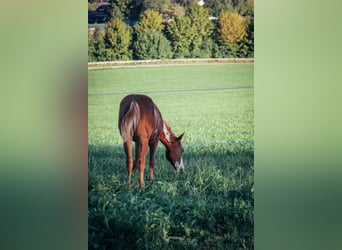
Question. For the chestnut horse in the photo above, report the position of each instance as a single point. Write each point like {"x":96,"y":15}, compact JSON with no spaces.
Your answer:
{"x":141,"y":121}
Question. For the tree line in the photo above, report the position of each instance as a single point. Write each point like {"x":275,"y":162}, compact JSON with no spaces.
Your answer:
{"x":177,"y":29}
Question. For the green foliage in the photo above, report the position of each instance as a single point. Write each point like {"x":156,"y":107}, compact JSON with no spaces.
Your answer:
{"x":217,"y":6}
{"x":121,"y":6}
{"x":211,"y":204}
{"x":116,"y":13}
{"x":181,"y":34}
{"x":185,"y":3}
{"x":154,"y":4}
{"x":100,"y":46}
{"x":118,"y":40}
{"x":189,"y":34}
{"x":96,"y":46}
{"x":201,"y":25}
{"x":91,"y":48}
{"x":171,"y":10}
{"x":205,"y":50}
{"x":250,"y":38}
{"x":151,"y":44}
{"x":150,"y":20}
{"x":245,"y":7}
{"x":187,"y":27}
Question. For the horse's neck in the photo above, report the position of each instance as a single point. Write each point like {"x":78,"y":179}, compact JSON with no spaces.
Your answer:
{"x":166,"y":135}
{"x":166,"y":139}
{"x":163,"y":140}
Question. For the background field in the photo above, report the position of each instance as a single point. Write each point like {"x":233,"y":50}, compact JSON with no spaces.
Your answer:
{"x":211,"y":204}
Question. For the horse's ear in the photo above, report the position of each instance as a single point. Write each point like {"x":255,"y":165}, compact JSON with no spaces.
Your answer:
{"x":179,"y":138}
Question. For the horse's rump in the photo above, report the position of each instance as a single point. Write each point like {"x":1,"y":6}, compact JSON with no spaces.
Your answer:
{"x":135,"y":109}
{"x":128,"y":121}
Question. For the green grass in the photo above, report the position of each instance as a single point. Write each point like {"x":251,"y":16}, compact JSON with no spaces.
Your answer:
{"x":210,"y":205}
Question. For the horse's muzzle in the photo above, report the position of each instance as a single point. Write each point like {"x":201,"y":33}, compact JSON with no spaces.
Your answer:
{"x":179,"y":165}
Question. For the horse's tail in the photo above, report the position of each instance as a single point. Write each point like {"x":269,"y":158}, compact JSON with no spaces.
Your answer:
{"x":129,"y":122}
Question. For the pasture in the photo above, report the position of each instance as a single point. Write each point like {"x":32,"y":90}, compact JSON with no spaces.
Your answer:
{"x":208,"y":206}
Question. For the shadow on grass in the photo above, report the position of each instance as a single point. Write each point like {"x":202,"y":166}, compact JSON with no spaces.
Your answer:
{"x":210,"y":205}
{"x":111,"y":159}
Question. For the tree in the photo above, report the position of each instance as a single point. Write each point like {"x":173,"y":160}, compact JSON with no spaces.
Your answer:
{"x":217,"y":6}
{"x":151,"y":44}
{"x":190,"y":34}
{"x":180,"y":34}
{"x":133,"y":12}
{"x":116,"y":13}
{"x":154,"y":4}
{"x":245,"y":7}
{"x":171,"y":10}
{"x":250,"y":7}
{"x":150,"y":20}
{"x":100,"y":46}
{"x":250,"y":38}
{"x":233,"y":31}
{"x":201,"y":25}
{"x":129,"y":9}
{"x":185,"y":3}
{"x":91,"y":48}
{"x":117,"y":40}
{"x":121,"y":5}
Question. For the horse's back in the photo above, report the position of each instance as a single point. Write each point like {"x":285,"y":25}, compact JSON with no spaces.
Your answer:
{"x":138,"y":114}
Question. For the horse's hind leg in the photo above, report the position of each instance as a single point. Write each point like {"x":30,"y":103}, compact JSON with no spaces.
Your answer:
{"x":153,"y":146}
{"x":140,"y":157}
{"x":129,"y":159}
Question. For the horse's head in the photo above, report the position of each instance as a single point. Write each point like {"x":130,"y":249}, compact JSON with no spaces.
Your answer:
{"x":174,"y":153}
{"x":173,"y":146}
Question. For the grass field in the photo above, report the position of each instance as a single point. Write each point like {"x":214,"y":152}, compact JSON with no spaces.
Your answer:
{"x":211,"y":204}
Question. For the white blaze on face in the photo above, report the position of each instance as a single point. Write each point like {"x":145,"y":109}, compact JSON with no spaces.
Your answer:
{"x":166,"y":133}
{"x":179,"y":165}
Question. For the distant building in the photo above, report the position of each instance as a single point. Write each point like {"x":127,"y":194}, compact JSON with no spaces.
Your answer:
{"x":101,"y":14}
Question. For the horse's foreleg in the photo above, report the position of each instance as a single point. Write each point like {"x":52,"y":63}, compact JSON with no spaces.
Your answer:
{"x":153,"y":147}
{"x":142,"y":151}
{"x":129,"y":159}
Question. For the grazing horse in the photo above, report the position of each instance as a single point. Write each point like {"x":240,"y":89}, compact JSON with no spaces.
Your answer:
{"x":141,"y":121}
